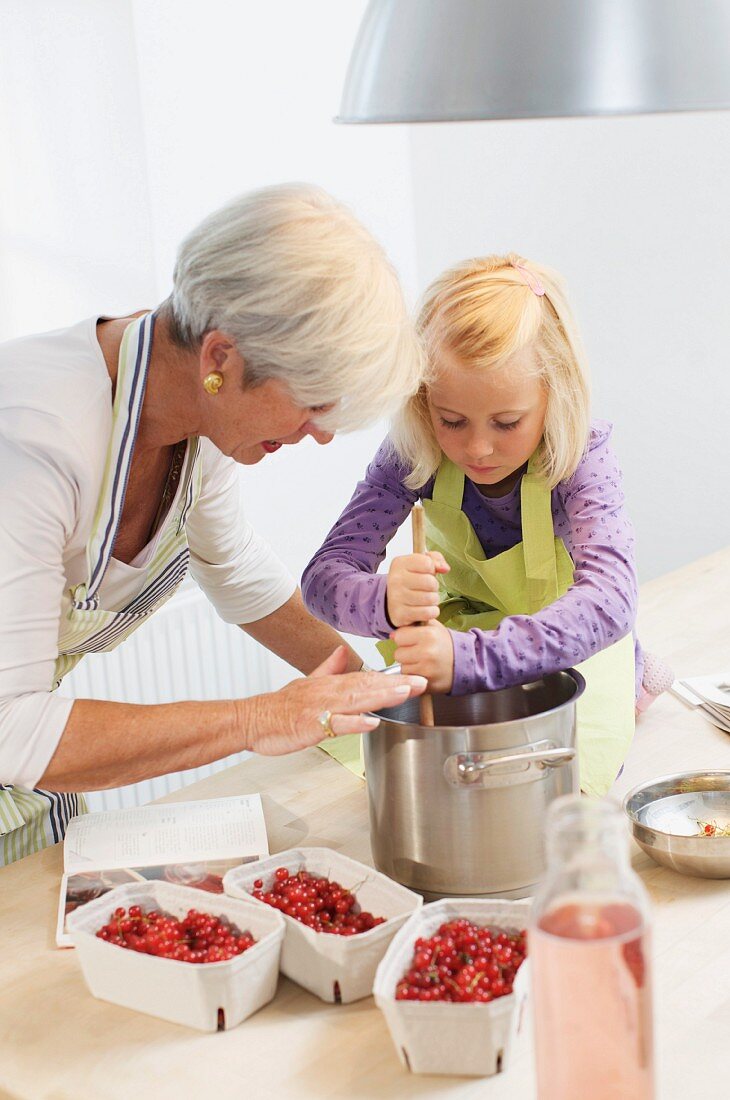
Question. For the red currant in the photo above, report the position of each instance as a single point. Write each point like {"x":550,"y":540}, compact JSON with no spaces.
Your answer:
{"x":316,"y":902}
{"x":197,"y":938}
{"x":463,"y":962}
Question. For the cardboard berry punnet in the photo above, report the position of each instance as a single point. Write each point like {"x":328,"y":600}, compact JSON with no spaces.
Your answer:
{"x":335,"y":968}
{"x":208,"y":996}
{"x":468,"y":1039}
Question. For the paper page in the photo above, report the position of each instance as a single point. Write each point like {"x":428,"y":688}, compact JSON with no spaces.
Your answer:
{"x":712,"y":689}
{"x":177,"y":832}
{"x":680,"y":689}
{"x":83,"y":886}
{"x":719,"y":718}
{"x":190,"y":843}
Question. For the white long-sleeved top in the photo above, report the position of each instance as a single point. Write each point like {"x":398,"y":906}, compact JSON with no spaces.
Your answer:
{"x":55,"y":424}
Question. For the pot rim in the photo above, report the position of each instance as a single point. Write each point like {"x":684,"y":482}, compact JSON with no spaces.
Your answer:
{"x":576,"y":676}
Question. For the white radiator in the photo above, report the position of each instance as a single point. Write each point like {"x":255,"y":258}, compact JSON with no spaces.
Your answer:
{"x":184,"y":652}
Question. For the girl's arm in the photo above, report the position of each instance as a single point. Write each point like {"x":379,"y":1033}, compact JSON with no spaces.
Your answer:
{"x":597,"y":610}
{"x":341,"y":584}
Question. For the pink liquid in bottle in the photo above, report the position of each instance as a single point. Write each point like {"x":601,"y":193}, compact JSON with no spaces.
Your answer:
{"x":592,"y":1002}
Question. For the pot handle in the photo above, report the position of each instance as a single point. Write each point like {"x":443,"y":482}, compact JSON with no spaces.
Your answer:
{"x":545,"y":758}
{"x":472,"y":768}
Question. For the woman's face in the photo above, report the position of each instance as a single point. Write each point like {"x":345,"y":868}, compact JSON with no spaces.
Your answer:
{"x":488,"y":422}
{"x":249,"y":422}
{"x":266,"y":419}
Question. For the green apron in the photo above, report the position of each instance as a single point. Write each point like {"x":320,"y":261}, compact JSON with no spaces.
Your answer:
{"x":479,"y":592}
{"x":30,"y":820}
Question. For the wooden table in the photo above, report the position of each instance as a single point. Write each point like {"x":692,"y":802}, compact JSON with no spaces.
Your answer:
{"x":57,"y":1042}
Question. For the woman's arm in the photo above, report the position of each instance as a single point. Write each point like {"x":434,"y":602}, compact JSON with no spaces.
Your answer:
{"x":110,"y":744}
{"x":38,"y":505}
{"x":341,"y":584}
{"x":243,"y":578}
{"x":52,"y":741}
{"x":237,"y":569}
{"x":298,"y":638}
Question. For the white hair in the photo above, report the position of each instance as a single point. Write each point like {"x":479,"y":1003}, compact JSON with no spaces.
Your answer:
{"x":308,"y":297}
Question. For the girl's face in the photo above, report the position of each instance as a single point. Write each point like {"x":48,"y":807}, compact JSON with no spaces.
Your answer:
{"x":488,"y":423}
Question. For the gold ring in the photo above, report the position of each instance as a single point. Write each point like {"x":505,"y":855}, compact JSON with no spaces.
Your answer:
{"x":325,"y":721}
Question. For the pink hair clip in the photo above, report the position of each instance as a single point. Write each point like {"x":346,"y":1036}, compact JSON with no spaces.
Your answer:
{"x":531,"y":279}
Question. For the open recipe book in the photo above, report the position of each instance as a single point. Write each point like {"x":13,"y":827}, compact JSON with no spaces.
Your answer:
{"x":711,"y":694}
{"x":190,"y":843}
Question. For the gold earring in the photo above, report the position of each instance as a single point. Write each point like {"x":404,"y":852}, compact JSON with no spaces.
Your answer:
{"x":213,"y":382}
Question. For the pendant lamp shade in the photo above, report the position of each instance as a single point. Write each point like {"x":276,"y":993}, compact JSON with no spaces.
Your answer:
{"x":451,"y":60}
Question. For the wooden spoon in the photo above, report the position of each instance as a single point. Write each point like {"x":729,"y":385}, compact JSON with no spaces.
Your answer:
{"x":425,"y":702}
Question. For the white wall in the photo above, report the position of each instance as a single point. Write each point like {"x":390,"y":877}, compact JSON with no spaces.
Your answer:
{"x":123,"y":122}
{"x":242,"y":98}
{"x":126,"y":122}
{"x":635,"y":212}
{"x":74,"y":203}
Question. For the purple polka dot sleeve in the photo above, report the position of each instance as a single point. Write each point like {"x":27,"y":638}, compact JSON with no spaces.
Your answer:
{"x":341,"y":584}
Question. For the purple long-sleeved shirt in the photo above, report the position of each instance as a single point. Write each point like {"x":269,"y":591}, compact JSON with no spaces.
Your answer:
{"x":341,"y":584}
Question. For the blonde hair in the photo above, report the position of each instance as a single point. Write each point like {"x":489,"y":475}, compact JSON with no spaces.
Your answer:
{"x":485,"y":311}
{"x":309,"y":298}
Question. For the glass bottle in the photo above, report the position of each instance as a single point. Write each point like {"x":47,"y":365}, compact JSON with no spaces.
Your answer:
{"x":590,"y":960}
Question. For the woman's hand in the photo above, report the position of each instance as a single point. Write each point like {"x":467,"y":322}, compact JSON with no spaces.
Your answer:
{"x":428,"y":651}
{"x":412,"y":588}
{"x":289,"y":719}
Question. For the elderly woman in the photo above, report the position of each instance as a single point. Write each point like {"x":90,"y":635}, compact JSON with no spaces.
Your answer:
{"x":119,"y":444}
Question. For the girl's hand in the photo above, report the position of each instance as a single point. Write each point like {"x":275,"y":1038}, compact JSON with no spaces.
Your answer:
{"x":412,"y":588}
{"x":289,"y":719}
{"x":426,"y":651}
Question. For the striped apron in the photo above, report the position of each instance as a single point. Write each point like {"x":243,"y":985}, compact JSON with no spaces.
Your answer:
{"x":30,"y":820}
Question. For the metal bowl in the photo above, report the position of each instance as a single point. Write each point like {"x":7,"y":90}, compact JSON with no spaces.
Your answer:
{"x":665,"y":815}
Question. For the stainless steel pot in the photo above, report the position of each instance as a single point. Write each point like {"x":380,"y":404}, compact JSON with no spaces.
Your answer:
{"x":458,"y":809}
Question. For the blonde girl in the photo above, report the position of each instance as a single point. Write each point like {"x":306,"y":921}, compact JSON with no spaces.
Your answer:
{"x":530,"y":566}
